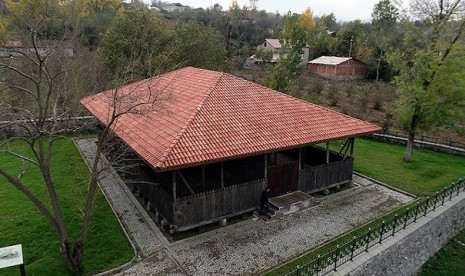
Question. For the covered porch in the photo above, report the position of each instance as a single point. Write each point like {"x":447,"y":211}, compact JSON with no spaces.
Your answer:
{"x":191,"y":197}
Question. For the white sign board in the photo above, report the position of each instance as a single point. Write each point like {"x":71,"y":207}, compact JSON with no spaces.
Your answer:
{"x":11,"y":256}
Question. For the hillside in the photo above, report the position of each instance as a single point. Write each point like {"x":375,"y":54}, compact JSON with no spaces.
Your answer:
{"x":367,"y":100}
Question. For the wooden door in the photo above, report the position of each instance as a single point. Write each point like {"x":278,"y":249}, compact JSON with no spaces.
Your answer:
{"x":283,"y":179}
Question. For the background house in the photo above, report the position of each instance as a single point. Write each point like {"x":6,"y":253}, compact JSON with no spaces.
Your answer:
{"x":214,"y":141}
{"x":338,"y":68}
{"x":274,"y":45}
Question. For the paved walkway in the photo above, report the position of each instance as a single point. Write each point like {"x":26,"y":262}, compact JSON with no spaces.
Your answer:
{"x":248,"y":247}
{"x":144,"y":234}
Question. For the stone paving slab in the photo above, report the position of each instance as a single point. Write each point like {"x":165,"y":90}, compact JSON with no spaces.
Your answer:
{"x":144,"y":234}
{"x":160,"y":263}
{"x":254,"y":246}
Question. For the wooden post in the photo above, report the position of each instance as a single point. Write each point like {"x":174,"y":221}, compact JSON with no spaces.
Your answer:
{"x":204,"y":179}
{"x":173,"y":176}
{"x":352,"y":143}
{"x":22,"y":270}
{"x":222,"y":175}
{"x":300,"y":159}
{"x":266,"y":166}
{"x":327,"y":152}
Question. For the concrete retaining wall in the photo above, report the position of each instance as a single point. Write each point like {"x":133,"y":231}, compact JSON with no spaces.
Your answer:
{"x":405,"y":253}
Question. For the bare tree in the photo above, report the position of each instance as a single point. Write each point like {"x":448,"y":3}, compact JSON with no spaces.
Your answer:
{"x":38,"y":101}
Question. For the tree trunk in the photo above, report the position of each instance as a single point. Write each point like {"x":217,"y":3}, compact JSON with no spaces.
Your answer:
{"x":411,"y":138}
{"x":72,"y":255}
{"x":378,"y":65}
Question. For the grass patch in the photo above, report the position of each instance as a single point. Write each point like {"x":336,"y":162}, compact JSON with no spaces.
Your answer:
{"x":429,"y":172}
{"x":449,"y":260}
{"x":20,"y":222}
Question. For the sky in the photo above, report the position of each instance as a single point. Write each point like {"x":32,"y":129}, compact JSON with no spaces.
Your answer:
{"x":345,"y":10}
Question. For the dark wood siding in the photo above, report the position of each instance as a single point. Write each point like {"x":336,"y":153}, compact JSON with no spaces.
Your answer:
{"x":195,"y":210}
{"x":317,"y":178}
{"x":283,"y":178}
{"x":159,"y":198}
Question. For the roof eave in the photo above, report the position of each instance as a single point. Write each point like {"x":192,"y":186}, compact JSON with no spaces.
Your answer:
{"x":217,"y":160}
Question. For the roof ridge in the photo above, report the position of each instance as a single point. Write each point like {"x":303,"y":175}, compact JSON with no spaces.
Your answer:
{"x":184,"y":129}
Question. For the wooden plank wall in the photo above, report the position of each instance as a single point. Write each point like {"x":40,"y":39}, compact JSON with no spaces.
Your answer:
{"x":160,"y":200}
{"x":317,"y":178}
{"x":195,"y":209}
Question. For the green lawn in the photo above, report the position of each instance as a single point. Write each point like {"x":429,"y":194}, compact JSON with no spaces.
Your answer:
{"x":449,"y":260}
{"x":429,"y":172}
{"x":20,"y":222}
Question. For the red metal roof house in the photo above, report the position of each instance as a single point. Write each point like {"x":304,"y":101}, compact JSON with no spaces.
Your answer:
{"x":214,"y":141}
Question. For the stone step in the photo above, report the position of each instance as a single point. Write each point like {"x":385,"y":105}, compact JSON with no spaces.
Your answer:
{"x":288,"y":204}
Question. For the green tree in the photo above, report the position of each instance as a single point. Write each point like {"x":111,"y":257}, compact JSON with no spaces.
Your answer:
{"x":385,"y":14}
{"x":199,"y":46}
{"x":328,"y":21}
{"x":349,"y":38}
{"x":289,"y":66}
{"x":384,"y":18}
{"x":3,"y":29}
{"x":431,"y":63}
{"x":320,"y":42}
{"x":46,"y":17}
{"x":139,"y":41}
{"x":94,"y":17}
{"x":264,"y":54}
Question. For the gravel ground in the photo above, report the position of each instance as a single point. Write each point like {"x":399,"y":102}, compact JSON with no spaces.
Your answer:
{"x":254,"y":246}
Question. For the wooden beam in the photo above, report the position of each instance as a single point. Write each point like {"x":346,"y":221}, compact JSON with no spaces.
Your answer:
{"x":352,"y":144}
{"x":266,"y":166}
{"x":185,"y":182}
{"x":204,"y":179}
{"x":222,"y":175}
{"x":327,"y":152}
{"x":304,"y":150}
{"x":173,"y":176}
{"x":345,"y":148}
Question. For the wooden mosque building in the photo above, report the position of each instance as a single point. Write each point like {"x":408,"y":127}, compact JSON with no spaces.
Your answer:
{"x":213,"y":142}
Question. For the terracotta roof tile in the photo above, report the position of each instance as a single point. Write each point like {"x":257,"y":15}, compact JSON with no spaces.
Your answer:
{"x":204,"y":116}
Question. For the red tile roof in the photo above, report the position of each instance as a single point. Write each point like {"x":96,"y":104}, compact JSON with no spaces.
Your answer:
{"x":204,"y":116}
